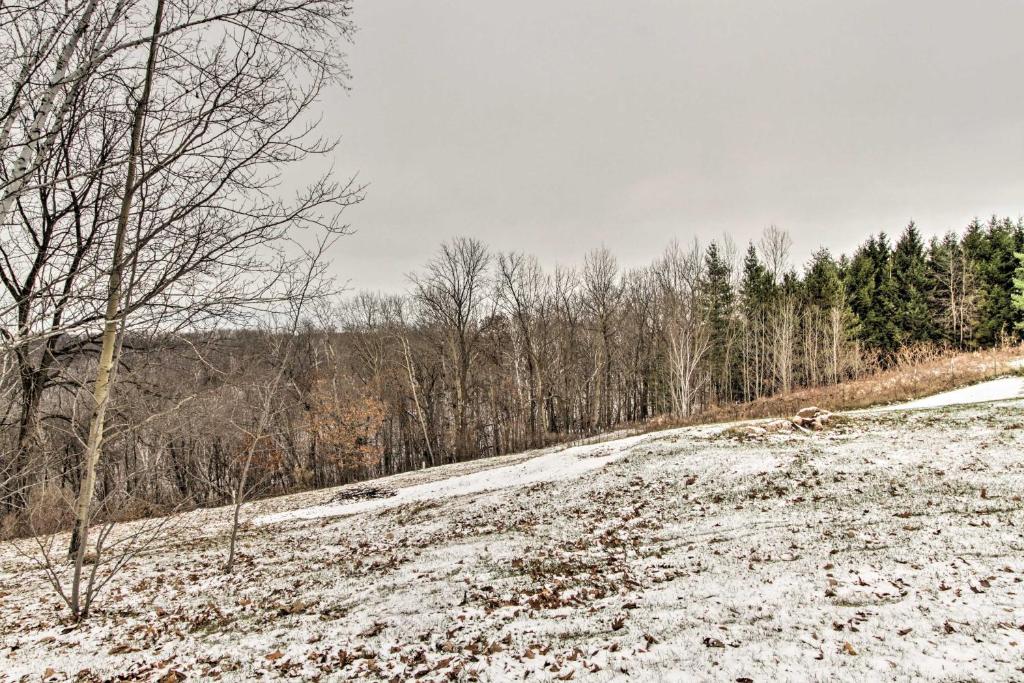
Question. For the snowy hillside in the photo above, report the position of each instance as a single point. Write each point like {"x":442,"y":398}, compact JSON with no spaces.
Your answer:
{"x":889,"y":546}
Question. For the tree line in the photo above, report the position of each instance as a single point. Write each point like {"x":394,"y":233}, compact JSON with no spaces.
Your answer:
{"x":489,"y":353}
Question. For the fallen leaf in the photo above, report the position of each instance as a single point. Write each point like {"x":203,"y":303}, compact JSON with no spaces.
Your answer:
{"x":373,"y":630}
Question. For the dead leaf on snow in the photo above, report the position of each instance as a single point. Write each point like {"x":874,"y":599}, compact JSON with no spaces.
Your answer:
{"x":373,"y":630}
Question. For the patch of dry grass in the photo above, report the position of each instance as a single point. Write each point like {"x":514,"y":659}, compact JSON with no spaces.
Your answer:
{"x":917,"y":373}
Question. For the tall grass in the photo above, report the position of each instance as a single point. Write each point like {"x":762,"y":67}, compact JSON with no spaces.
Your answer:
{"x":916,"y":372}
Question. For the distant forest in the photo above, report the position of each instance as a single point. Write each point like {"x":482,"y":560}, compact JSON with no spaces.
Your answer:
{"x":489,"y":354}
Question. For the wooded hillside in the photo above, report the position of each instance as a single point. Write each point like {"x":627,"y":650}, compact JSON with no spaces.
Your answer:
{"x":489,"y":354}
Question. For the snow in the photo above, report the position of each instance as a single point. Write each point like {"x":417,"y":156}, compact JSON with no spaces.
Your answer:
{"x":577,"y":461}
{"x":887,"y":548}
{"x":1003,"y":389}
{"x":554,"y":466}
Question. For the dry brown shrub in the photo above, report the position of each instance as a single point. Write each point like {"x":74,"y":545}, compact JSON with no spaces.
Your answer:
{"x":346,"y":425}
{"x":49,"y":510}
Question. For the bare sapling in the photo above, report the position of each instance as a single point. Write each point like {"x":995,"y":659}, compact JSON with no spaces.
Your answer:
{"x":105,"y":367}
{"x":298,"y":295}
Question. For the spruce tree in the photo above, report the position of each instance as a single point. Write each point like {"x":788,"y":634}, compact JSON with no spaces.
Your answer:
{"x":719,"y":301}
{"x":914,"y":319}
{"x":757,"y":292}
{"x":757,"y":285}
{"x":872,"y":295}
{"x":1017,"y":298}
{"x":994,"y":253}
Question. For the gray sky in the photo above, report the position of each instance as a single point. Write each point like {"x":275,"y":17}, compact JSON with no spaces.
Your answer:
{"x":555,"y":126}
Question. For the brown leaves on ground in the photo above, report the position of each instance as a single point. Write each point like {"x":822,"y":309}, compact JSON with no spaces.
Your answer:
{"x":373,"y":630}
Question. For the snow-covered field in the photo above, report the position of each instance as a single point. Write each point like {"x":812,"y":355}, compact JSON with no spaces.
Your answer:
{"x":888,"y":547}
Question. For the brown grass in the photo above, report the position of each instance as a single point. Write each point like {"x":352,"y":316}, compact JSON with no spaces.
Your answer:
{"x":917,"y":373}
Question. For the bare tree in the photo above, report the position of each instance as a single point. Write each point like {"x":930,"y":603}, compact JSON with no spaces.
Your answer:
{"x":300,"y":291}
{"x":453,"y":294}
{"x":775,"y":245}
{"x":110,"y":340}
{"x":162,"y":215}
{"x":229,"y":107}
{"x":522,"y":292}
{"x":602,"y":293}
{"x":687,"y":334}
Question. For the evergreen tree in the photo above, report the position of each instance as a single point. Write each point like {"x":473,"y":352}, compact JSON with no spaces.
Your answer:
{"x":757,"y":293}
{"x":719,"y":301}
{"x":823,"y":284}
{"x":1017,"y":298}
{"x":872,"y":295}
{"x":993,"y":252}
{"x":757,"y":287}
{"x":914,"y":319}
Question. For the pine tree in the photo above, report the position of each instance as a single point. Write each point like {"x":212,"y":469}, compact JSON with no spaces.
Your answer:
{"x":914,"y":320}
{"x":757,"y":292}
{"x":719,"y":301}
{"x":1017,"y":298}
{"x":873,"y":296}
{"x":993,"y":251}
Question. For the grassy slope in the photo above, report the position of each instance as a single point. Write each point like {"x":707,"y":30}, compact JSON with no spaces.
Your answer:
{"x":888,"y":547}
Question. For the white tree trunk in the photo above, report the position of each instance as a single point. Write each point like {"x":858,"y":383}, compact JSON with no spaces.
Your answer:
{"x":105,"y":369}
{"x":37,"y":130}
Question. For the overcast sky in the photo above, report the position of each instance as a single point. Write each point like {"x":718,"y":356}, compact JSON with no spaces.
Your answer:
{"x":555,"y":126}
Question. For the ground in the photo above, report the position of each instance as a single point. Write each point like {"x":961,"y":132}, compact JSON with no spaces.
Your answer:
{"x":890,"y":546}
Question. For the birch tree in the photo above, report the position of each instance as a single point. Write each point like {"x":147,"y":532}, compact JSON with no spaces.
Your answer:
{"x":687,"y":334}
{"x":229,"y":107}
